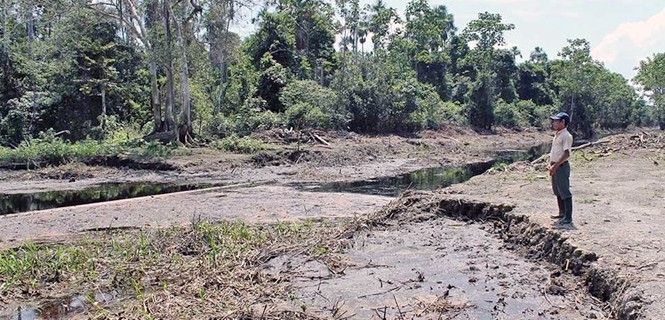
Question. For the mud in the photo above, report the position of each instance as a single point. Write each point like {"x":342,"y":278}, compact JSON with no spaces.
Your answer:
{"x":439,"y":269}
{"x":59,"y":308}
{"x":531,"y":240}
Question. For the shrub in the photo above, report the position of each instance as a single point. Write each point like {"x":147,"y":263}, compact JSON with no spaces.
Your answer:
{"x":453,"y":112}
{"x":313,"y":94}
{"x":248,"y":122}
{"x":233,"y":143}
{"x":506,"y":114}
{"x":303,"y":115}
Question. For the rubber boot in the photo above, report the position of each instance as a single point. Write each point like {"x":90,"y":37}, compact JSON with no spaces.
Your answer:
{"x":568,"y":211}
{"x":562,"y":210}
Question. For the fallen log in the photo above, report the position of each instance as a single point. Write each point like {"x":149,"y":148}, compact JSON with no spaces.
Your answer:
{"x":586,"y":145}
{"x":319,"y":139}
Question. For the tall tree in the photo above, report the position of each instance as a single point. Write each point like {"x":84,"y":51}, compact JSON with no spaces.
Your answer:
{"x":651,"y":75}
{"x":494,"y":67}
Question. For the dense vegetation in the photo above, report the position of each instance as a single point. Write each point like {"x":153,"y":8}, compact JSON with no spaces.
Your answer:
{"x":172,"y":70}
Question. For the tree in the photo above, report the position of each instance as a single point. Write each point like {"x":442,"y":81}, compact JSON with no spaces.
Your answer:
{"x":573,"y":76}
{"x":481,"y":99}
{"x":380,"y":20}
{"x":534,"y":79}
{"x":494,"y":69}
{"x":651,"y":75}
{"x":430,"y":30}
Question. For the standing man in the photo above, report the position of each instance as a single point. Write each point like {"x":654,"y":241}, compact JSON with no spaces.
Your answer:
{"x":559,"y":168}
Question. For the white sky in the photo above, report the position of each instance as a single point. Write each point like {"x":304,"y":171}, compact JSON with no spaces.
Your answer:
{"x":621,"y":32}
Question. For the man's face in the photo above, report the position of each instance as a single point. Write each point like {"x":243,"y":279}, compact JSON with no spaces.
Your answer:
{"x":557,"y":125}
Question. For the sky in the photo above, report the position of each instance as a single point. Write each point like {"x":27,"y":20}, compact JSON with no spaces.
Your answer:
{"x":621,"y":32}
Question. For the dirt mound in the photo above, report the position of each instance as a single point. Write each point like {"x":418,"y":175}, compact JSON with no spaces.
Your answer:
{"x":284,"y":157}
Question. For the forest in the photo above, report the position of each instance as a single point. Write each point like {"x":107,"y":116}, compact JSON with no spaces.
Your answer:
{"x":130,"y":71}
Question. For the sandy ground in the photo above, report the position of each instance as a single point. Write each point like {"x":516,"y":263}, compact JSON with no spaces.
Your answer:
{"x":619,"y":206}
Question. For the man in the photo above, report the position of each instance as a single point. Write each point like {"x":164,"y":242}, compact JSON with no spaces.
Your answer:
{"x":559,"y":167}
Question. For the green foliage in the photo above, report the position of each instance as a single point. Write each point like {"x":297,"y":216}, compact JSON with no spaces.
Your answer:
{"x":49,"y":149}
{"x":308,"y":93}
{"x":31,"y":262}
{"x":651,"y":75}
{"x":480,"y":102}
{"x":233,"y":143}
{"x":507,"y":115}
{"x":56,"y":67}
{"x":247,"y":122}
{"x":303,"y":115}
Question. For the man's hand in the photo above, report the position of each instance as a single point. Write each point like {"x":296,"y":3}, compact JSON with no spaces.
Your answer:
{"x":552,"y":169}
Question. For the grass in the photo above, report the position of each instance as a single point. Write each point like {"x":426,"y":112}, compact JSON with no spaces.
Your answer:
{"x":56,"y":151}
{"x":204,"y":270}
{"x":247,"y":145}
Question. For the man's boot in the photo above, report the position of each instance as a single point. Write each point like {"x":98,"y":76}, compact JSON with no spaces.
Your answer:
{"x":562,"y":209}
{"x":568,"y":211}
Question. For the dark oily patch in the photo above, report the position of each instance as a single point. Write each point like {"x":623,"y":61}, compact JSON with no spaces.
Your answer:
{"x":438,"y":268}
{"x":58,"y":308}
{"x":22,"y":202}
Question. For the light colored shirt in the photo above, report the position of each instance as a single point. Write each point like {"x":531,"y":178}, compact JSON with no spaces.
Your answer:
{"x":563,"y":141}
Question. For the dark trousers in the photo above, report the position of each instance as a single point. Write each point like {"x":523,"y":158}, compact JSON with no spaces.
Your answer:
{"x":561,"y":181}
{"x":561,"y":188}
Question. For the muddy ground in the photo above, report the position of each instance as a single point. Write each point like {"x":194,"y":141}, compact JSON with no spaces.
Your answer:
{"x":349,"y":157}
{"x":430,"y":267}
{"x":438,"y":269}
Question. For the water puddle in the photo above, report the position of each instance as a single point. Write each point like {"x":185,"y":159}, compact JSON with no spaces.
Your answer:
{"x":428,"y":178}
{"x":424,"y":179}
{"x":22,"y":202}
{"x":61,"y":308}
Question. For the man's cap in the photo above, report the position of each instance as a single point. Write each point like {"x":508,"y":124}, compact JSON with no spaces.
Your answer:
{"x":561,"y":116}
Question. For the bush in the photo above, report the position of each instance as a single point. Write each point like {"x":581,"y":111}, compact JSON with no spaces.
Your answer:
{"x":54,"y":150}
{"x":541,"y":118}
{"x":233,"y":143}
{"x":313,"y":94}
{"x":13,"y":127}
{"x":220,"y":126}
{"x":507,"y":115}
{"x":303,"y":115}
{"x":453,"y":112}
{"x":248,"y":122}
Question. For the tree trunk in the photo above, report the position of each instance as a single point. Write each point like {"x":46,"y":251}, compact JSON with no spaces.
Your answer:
{"x":154,"y":99}
{"x":123,"y":32}
{"x":186,"y":107}
{"x":30,"y":23}
{"x":103,"y":118}
{"x":170,"y":94}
